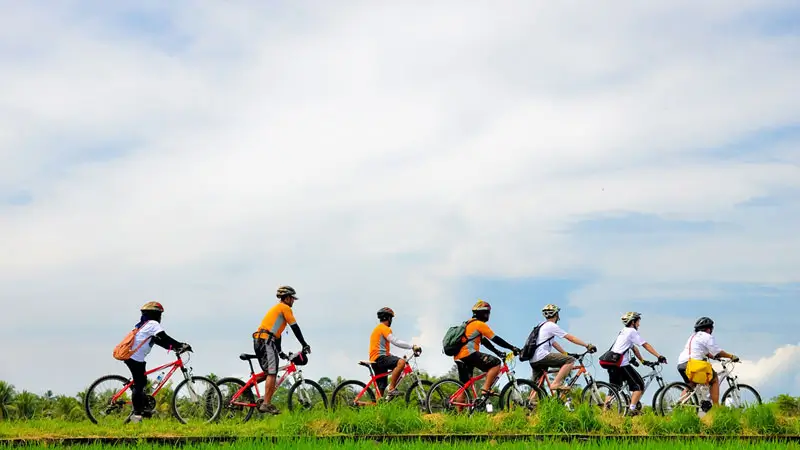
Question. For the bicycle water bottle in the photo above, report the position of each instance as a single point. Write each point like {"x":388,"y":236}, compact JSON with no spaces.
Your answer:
{"x":159,"y":378}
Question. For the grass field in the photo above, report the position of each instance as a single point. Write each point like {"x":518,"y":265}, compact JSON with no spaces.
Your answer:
{"x":389,"y":419}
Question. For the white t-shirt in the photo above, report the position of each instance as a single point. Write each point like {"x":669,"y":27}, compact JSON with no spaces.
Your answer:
{"x":548,"y":330}
{"x":148,"y":330}
{"x":627,"y":338}
{"x":702,"y":344}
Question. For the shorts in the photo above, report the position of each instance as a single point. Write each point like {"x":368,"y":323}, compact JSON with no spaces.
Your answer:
{"x":383,"y":364}
{"x":468,"y":364}
{"x":682,"y":371}
{"x":550,"y":361}
{"x":267,"y":354}
{"x":619,"y":375}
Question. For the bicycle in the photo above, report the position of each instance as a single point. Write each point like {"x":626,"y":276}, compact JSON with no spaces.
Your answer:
{"x":698,"y":396}
{"x":115,"y":402}
{"x":238,"y":395}
{"x":592,"y":393}
{"x":447,"y":392}
{"x":351,"y":392}
{"x":654,"y":374}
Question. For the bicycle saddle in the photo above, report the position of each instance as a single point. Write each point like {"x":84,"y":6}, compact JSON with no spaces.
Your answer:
{"x":366,"y":363}
{"x":246,"y":356}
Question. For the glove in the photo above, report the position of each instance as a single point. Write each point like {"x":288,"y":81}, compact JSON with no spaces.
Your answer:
{"x":734,"y":358}
{"x":282,"y":355}
{"x":591,"y":348}
{"x":184,"y":348}
{"x":416,"y":349}
{"x":306,"y":349}
{"x":662,"y":359}
{"x":635,"y":363}
{"x":516,"y":351}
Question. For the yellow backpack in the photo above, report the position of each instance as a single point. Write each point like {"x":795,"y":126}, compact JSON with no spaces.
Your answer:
{"x":698,"y":370}
{"x":124,"y":350}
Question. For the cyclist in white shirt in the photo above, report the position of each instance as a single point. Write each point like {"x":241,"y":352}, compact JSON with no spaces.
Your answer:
{"x":627,"y":340}
{"x":545,"y":358}
{"x":701,"y":345}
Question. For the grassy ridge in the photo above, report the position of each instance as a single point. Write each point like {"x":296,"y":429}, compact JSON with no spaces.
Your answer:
{"x":394,"y":419}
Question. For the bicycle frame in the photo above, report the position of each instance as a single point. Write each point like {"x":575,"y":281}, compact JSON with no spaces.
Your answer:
{"x":580,"y":368}
{"x":470,"y":384}
{"x":289,"y":369}
{"x":175,"y":365}
{"x":654,"y":374}
{"x":373,"y":381}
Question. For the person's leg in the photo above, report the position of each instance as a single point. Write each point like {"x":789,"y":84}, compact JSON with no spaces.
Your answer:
{"x":268,"y":360}
{"x":400,"y":364}
{"x":489,"y":364}
{"x":137,"y":389}
{"x":614,"y":379}
{"x":714,"y":386}
{"x":465,"y":372}
{"x":636,"y":385}
{"x":566,"y":364}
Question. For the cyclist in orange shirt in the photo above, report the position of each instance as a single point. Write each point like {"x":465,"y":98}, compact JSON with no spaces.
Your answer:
{"x":470,"y":357}
{"x":380,"y":355}
{"x":267,"y":342}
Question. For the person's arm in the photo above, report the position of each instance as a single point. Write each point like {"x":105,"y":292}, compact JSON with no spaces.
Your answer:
{"x":162,"y":339}
{"x":402,"y":344}
{"x":502,"y":343}
{"x":649,"y":348}
{"x":299,"y":335}
{"x":637,"y":353}
{"x":559,"y":348}
{"x":724,"y":354}
{"x":488,"y":344}
{"x":576,"y":341}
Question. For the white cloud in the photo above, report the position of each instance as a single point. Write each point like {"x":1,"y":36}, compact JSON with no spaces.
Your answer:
{"x":370,"y":156}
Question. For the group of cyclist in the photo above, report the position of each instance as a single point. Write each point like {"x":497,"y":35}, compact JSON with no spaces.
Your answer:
{"x":548,"y":353}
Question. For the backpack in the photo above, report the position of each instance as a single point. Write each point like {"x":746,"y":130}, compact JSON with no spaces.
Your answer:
{"x":530,"y":345}
{"x":124,"y":350}
{"x":455,"y":338}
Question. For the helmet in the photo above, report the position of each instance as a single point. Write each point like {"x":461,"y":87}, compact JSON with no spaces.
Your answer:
{"x":550,"y":311}
{"x":300,"y":359}
{"x":703,"y":322}
{"x":629,"y":317}
{"x":284,"y":291}
{"x":385,"y":313}
{"x":152,"y":306}
{"x":481,"y":305}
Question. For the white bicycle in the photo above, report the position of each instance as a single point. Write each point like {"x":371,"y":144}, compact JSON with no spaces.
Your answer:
{"x":698,"y":396}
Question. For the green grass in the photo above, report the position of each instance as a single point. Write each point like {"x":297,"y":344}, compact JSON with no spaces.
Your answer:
{"x":395,"y":419}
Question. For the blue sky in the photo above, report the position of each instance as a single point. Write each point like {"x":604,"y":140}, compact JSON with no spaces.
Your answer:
{"x":641,"y":157}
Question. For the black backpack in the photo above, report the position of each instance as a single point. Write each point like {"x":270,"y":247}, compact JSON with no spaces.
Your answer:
{"x":530,"y":345}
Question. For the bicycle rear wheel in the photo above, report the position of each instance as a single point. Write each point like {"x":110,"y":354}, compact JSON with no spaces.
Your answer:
{"x":196,"y":400}
{"x":521,"y":394}
{"x":656,"y":398}
{"x":101,"y":407}
{"x":677,"y":394}
{"x":307,"y":395}
{"x":438,"y":397}
{"x":602,"y":395}
{"x":346,"y":393}
{"x":242,"y":410}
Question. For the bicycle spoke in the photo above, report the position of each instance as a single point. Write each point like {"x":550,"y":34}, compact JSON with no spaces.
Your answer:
{"x":100,"y":405}
{"x":197,"y":400}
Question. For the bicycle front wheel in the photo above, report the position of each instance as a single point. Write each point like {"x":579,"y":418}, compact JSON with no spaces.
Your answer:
{"x":307,"y":395}
{"x":521,"y":394}
{"x":602,"y":395}
{"x":196,"y":400}
{"x":417,"y":396}
{"x":239,"y":409}
{"x":438,"y":398}
{"x":100,"y":403}
{"x":742,"y":397}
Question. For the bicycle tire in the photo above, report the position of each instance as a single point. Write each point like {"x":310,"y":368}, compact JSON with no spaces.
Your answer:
{"x":247,"y":396}
{"x":426,"y":384}
{"x":215,"y":390}
{"x":742,"y":387}
{"x":505,"y":393}
{"x":95,"y":383}
{"x":314,"y":385}
{"x":675,"y":385}
{"x":614,"y":392}
{"x":337,"y":393}
{"x":656,"y":395}
{"x":435,"y":387}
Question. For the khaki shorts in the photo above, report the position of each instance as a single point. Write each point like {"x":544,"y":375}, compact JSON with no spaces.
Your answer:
{"x":550,"y":361}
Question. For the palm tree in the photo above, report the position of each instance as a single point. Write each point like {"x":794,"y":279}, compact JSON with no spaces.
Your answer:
{"x":7,"y":394}
{"x":28,"y":405}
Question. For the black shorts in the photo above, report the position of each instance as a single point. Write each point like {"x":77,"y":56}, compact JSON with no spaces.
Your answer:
{"x":267,"y":353}
{"x":469,"y":363}
{"x":618,"y":375}
{"x":384,"y":364}
{"x":682,"y":371}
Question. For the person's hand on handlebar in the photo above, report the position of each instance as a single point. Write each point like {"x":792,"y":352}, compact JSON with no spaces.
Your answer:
{"x":517,"y":351}
{"x":306,"y":349}
{"x":416,"y":349}
{"x":591,"y":348}
{"x":734,"y":358}
{"x":184,"y":348}
{"x":662,"y":359}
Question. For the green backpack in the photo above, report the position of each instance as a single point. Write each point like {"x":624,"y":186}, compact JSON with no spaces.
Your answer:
{"x":455,"y":338}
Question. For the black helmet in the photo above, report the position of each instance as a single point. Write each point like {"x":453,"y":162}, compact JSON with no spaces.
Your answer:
{"x":385,"y":313}
{"x":703,"y":323}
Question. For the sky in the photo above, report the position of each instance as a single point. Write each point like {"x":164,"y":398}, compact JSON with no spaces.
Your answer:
{"x":626,"y":156}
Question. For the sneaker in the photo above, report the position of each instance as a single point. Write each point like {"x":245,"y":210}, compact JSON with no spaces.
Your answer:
{"x":268,"y":408}
{"x":391,"y":394}
{"x":634,"y":412}
{"x":135,"y":418}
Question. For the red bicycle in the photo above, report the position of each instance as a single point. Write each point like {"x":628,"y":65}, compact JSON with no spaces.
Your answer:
{"x":195,"y":398}
{"x":239,"y":401}
{"x":447,"y":394}
{"x":352,"y":392}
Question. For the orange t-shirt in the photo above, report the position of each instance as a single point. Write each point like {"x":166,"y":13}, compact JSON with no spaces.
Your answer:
{"x":476,"y":330}
{"x":379,"y":342}
{"x":276,"y":319}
